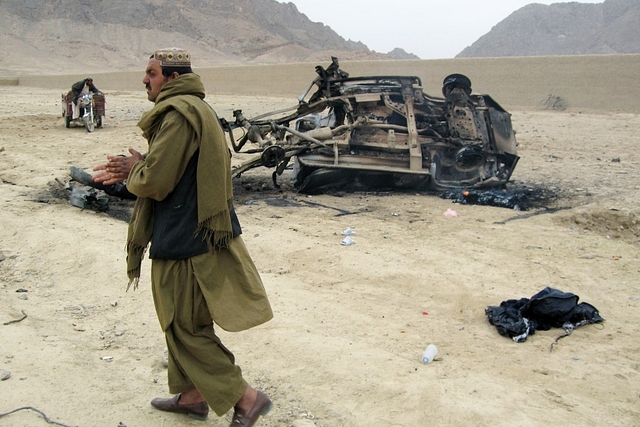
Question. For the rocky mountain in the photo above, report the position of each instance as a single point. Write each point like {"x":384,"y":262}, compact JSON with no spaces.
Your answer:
{"x":109,"y":35}
{"x":113,"y":35}
{"x":611,"y":27}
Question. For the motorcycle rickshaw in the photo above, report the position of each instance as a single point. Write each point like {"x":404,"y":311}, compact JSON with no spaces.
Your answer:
{"x":91,"y":110}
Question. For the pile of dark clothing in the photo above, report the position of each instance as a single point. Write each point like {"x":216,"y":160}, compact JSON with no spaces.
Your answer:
{"x":549,"y":308}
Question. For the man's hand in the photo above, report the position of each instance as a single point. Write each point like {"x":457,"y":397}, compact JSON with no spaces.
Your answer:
{"x":117,"y":168}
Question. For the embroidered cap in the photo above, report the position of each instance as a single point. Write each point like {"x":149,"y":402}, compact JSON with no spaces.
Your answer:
{"x":173,"y":57}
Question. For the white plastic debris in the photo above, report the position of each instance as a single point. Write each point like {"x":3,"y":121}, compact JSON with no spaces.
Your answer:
{"x":348,"y":232}
{"x":429,"y":354}
{"x":450,"y":213}
{"x":347,"y":241}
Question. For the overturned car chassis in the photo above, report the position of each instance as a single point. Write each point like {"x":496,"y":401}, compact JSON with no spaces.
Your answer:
{"x":382,"y":131}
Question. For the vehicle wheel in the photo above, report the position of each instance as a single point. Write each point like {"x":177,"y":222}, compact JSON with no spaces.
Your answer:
{"x":319,"y":180}
{"x":67,"y":121}
{"x":560,"y":104}
{"x":456,"y":80}
{"x":545,"y":103}
{"x":272,"y":155}
{"x":466,"y":169}
{"x":469,"y":158}
{"x":99,"y":121}
{"x":89,"y":125}
{"x":300,"y":174}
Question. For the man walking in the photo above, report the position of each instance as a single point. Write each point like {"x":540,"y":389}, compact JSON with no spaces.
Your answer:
{"x":201,"y":271}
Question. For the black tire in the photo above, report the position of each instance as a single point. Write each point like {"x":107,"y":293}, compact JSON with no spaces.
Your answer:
{"x":544,"y":104}
{"x":272,"y":156}
{"x":67,"y":121}
{"x":560,"y":104}
{"x":320,"y":180}
{"x":456,"y":80}
{"x":99,"y":122}
{"x":89,"y":125}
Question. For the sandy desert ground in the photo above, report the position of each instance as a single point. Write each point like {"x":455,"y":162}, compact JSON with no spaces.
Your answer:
{"x":351,"y":322}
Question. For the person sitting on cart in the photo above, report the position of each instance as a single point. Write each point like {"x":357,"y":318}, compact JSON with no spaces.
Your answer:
{"x":80,"y":88}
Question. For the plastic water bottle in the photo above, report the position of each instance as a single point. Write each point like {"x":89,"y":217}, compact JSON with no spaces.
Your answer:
{"x":429,"y":353}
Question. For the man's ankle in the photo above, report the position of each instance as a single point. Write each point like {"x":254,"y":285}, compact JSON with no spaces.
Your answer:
{"x":190,"y":397}
{"x":248,"y":398}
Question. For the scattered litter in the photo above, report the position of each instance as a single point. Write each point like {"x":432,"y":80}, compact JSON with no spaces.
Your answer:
{"x":347,"y":241}
{"x":24,"y":316}
{"x":107,"y":358}
{"x":88,"y":199}
{"x":35,"y":410}
{"x":5,"y":375}
{"x":348,"y":232}
{"x":429,"y":354}
{"x":450,"y":213}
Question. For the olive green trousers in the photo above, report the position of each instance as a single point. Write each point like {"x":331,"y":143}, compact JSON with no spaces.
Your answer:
{"x":197,"y":357}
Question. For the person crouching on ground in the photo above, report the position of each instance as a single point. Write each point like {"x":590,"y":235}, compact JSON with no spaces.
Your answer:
{"x":201,"y":271}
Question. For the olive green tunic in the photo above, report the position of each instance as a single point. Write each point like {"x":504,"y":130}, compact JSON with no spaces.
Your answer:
{"x":221,"y":286}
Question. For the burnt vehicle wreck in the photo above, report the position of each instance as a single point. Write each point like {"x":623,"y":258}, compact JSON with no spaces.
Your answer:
{"x":381,"y":132}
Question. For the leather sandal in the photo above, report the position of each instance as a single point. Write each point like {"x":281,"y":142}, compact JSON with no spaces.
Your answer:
{"x":198,"y":411}
{"x":261,"y":406}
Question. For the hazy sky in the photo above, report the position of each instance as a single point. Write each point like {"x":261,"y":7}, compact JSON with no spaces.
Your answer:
{"x":430,"y":29}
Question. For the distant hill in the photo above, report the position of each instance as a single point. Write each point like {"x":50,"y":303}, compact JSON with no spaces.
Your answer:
{"x":78,"y":36}
{"x":612,"y":27}
{"x":72,"y":35}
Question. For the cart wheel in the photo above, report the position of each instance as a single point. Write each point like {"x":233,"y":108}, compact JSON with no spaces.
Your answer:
{"x":67,"y":121}
{"x":89,"y":125}
{"x":560,"y":104}
{"x":99,"y":121}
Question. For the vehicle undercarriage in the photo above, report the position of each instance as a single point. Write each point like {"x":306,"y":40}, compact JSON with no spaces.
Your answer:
{"x":382,"y":131}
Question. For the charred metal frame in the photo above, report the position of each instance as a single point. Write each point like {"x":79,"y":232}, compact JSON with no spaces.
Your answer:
{"x":382,"y":125}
